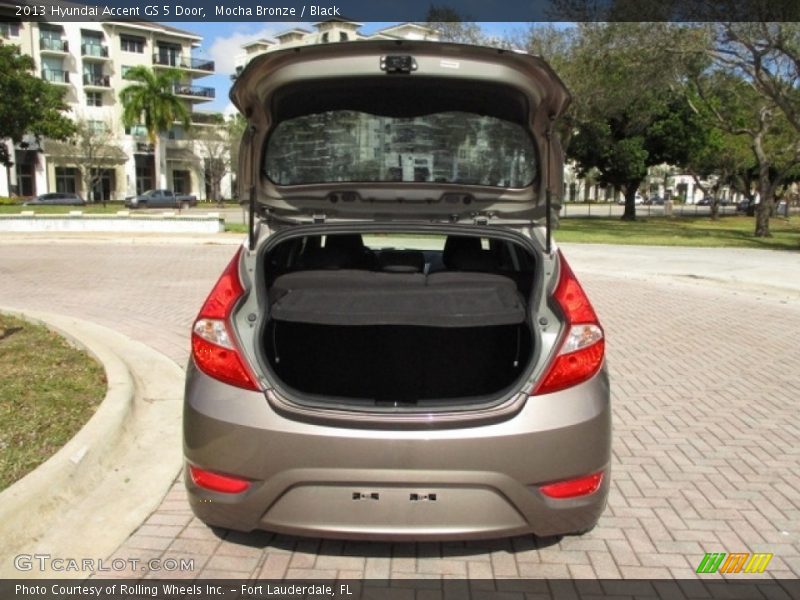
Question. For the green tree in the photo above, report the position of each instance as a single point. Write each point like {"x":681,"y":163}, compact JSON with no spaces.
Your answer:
{"x":28,"y":105}
{"x":452,"y":27}
{"x":150,"y":100}
{"x":96,"y":149}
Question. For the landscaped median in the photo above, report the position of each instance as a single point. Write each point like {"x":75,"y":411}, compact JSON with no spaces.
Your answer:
{"x":90,"y":495}
{"x":122,"y":221}
{"x":680,"y":231}
{"x":48,"y":390}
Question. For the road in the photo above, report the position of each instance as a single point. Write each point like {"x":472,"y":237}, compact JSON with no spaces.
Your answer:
{"x":704,"y":378}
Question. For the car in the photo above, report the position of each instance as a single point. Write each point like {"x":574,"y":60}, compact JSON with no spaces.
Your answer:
{"x":705,"y":201}
{"x":392,"y":353}
{"x":655,"y":200}
{"x":637,"y":200}
{"x":161,"y":199}
{"x":56,"y":199}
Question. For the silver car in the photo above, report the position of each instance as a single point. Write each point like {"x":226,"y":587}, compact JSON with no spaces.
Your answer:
{"x":399,"y":350}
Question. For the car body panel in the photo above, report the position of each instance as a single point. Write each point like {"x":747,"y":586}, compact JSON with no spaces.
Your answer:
{"x":294,"y":465}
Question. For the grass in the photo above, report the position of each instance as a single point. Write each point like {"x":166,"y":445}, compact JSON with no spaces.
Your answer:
{"x":681,"y":231}
{"x":665,"y":231}
{"x":48,"y":390}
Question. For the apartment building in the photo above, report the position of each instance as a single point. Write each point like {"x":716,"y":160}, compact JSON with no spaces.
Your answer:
{"x":89,"y":62}
{"x":331,"y":31}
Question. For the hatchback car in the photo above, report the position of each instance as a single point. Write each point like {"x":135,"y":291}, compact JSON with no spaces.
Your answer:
{"x":398,"y":351}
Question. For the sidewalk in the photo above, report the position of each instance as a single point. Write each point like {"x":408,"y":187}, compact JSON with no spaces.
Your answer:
{"x":745,"y":269}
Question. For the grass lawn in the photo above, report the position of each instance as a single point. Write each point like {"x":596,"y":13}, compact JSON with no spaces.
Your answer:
{"x":664,"y":231}
{"x":48,"y":390}
{"x":680,"y":231}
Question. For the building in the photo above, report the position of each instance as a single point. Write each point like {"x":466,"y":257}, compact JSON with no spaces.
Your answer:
{"x":89,"y":61}
{"x":330,"y":31}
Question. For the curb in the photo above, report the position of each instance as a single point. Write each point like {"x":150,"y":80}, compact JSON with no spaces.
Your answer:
{"x":87,"y":498}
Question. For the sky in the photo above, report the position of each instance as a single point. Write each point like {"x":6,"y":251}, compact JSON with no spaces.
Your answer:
{"x":223,"y":41}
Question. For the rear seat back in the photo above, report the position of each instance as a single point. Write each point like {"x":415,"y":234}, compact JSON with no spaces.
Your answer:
{"x":401,"y":261}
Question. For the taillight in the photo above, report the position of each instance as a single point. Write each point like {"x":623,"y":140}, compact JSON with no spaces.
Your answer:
{"x":572,"y":488}
{"x":582,"y":349}
{"x":217,"y":482}
{"x":214,"y":348}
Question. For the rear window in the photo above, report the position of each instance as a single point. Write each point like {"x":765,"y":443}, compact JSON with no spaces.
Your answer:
{"x":445,"y":147}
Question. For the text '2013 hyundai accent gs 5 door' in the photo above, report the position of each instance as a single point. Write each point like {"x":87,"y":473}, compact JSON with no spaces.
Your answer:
{"x":399,"y":351}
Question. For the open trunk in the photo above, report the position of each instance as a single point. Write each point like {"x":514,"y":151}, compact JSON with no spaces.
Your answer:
{"x":392,"y":335}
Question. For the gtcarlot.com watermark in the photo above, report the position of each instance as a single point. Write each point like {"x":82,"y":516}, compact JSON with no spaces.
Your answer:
{"x":47,"y":562}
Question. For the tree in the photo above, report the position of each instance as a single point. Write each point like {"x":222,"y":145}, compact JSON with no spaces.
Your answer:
{"x":28,"y":105}
{"x":608,"y":127}
{"x":96,"y":150}
{"x":741,"y":107}
{"x":150,"y":100}
{"x":452,"y":28}
{"x":219,"y":145}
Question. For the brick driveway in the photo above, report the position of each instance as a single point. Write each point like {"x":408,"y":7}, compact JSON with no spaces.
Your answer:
{"x":706,"y":453}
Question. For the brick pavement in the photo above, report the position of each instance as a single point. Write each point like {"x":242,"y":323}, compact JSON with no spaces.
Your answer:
{"x":705,"y":448}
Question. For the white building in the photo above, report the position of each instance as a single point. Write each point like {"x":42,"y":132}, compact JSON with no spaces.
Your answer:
{"x":89,"y":61}
{"x":330,"y":31}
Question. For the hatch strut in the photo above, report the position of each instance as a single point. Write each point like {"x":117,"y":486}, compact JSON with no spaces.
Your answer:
{"x":548,"y":221}
{"x":251,"y":228}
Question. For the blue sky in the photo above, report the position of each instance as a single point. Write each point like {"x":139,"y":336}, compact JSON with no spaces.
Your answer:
{"x":222,"y":42}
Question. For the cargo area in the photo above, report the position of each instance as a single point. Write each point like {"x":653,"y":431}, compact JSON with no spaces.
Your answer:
{"x":398,"y":326}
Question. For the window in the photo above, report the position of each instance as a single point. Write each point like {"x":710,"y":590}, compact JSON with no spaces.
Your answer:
{"x":65,"y":180}
{"x":129,"y":43}
{"x":97,"y":126}
{"x":325,"y":37}
{"x":342,"y":36}
{"x":94,"y":99}
{"x":136,"y":131}
{"x":181,"y":182}
{"x":324,"y":147}
{"x":9,"y":30}
{"x":124,"y":71}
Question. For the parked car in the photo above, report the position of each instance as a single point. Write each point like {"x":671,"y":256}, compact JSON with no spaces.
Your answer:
{"x":655,"y":201}
{"x":161,"y":199}
{"x":398,"y":355}
{"x":56,"y":199}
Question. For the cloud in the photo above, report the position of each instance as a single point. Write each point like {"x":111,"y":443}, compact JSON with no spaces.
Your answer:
{"x":225,"y":49}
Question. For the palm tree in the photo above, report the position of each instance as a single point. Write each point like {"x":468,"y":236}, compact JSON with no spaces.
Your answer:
{"x":150,"y":100}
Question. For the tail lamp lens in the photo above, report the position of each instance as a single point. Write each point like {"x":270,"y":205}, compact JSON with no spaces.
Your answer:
{"x":214,"y":349}
{"x":582,"y":349}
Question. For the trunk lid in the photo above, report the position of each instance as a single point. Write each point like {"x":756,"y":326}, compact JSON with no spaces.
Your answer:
{"x":399,"y":130}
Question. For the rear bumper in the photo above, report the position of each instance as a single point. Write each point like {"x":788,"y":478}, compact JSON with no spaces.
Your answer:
{"x":455,"y":483}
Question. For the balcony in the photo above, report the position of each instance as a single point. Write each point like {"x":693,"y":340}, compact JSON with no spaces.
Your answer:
{"x":97,"y":51}
{"x":182,"y":62}
{"x":98,"y":81}
{"x":52,"y":46}
{"x":56,"y":76}
{"x":199,"y":118}
{"x":194,"y":92}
